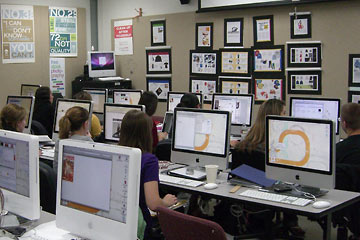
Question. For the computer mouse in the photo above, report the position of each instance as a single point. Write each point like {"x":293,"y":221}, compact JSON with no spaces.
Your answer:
{"x":210,"y":186}
{"x":321,"y":204}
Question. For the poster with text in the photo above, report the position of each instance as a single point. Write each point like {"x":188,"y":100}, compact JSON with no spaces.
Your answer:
{"x":18,"y":37}
{"x":63,"y":32}
{"x":206,"y":87}
{"x":158,"y":61}
{"x":123,"y":37}
{"x":266,"y":89}
{"x":159,"y":86}
{"x":204,"y":36}
{"x":57,"y":75}
{"x":235,"y":62}
{"x":263,"y":30}
{"x":203,"y":63}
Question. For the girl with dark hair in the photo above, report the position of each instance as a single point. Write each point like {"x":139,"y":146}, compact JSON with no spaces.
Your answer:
{"x":189,"y":100}
{"x":13,"y":118}
{"x":43,"y":108}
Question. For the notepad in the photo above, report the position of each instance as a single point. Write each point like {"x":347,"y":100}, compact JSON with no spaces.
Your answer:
{"x":253,"y":175}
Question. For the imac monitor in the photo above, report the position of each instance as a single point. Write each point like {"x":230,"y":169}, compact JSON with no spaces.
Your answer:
{"x":62,"y":105}
{"x":173,"y":99}
{"x":322,"y":108}
{"x":102,"y":64}
{"x":127,"y":96}
{"x":26,"y":102}
{"x":168,"y":124}
{"x":240,"y":106}
{"x":201,"y":137}
{"x":99,"y":97}
{"x":19,"y":179}
{"x":113,"y":116}
{"x":98,"y":190}
{"x":28,"y":89}
{"x":300,"y":150}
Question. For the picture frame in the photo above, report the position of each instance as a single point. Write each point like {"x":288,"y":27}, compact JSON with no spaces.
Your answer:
{"x":354,"y":96}
{"x":160,"y":86}
{"x":268,"y":88}
{"x":158,"y":32}
{"x":204,"y":35}
{"x":304,"y":54}
{"x":300,"y":25}
{"x":235,"y":61}
{"x":204,"y":62}
{"x":234,"y":85}
{"x":304,"y":82}
{"x":233,"y":32}
{"x":205,"y":85}
{"x":263,"y":28}
{"x":268,"y":60}
{"x":354,"y":70}
{"x":158,"y":61}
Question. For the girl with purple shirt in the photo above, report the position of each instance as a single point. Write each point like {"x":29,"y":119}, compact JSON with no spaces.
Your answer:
{"x":136,"y":132}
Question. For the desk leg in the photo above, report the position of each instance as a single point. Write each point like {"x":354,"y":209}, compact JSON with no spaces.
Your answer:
{"x":327,"y":227}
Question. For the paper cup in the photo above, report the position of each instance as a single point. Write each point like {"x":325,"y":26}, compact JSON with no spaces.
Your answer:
{"x":211,"y":173}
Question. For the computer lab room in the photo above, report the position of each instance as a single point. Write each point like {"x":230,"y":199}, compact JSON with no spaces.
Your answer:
{"x":180,"y":119}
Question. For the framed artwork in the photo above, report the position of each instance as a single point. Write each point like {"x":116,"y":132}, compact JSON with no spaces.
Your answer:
{"x":300,"y":26}
{"x":304,"y":82}
{"x":234,"y":85}
{"x":158,"y":61}
{"x":263,"y":30}
{"x":158,"y":32}
{"x":206,"y":86}
{"x":354,"y":96}
{"x":304,"y":54}
{"x":160,"y":86}
{"x":235,"y":61}
{"x":269,"y":88}
{"x":269,"y":60}
{"x":204,"y":36}
{"x":233,"y":32}
{"x":203,"y":62}
{"x":354,"y":70}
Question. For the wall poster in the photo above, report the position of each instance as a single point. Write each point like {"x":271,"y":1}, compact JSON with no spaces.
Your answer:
{"x":57,"y":75}
{"x":123,"y":37}
{"x":63,"y":32}
{"x":269,"y":59}
{"x":206,"y":86}
{"x":204,"y":35}
{"x":158,"y":32}
{"x":158,"y":61}
{"x":304,"y":54}
{"x":300,"y":25}
{"x":266,"y":89}
{"x":263,"y":27}
{"x":354,"y":70}
{"x":233,"y":32}
{"x":304,"y":82}
{"x":18,"y":37}
{"x":234,"y":85}
{"x":203,"y":62}
{"x":160,"y":86}
{"x":235,"y":61}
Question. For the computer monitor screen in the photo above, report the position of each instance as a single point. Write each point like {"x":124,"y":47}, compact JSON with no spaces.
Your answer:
{"x":99,"y":97}
{"x":322,"y":108}
{"x":173,"y":99}
{"x":300,"y":150}
{"x":113,"y":116}
{"x":26,"y":102}
{"x":127,"y":96}
{"x":28,"y":89}
{"x":19,"y":178}
{"x":201,"y":136}
{"x":168,"y":124}
{"x":98,"y":190}
{"x":102,"y":64}
{"x":240,"y":106}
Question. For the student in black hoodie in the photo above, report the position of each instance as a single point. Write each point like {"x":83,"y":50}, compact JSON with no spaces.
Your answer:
{"x":43,"y":108}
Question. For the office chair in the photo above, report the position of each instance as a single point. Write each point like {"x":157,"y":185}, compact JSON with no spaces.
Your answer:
{"x":176,"y":225}
{"x":163,"y":150}
{"x":37,"y":128}
{"x":47,"y":188}
{"x":255,"y":159}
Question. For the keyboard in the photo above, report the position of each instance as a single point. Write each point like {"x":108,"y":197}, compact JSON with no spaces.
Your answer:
{"x":110,"y":78}
{"x":276,"y":197}
{"x":179,"y":181}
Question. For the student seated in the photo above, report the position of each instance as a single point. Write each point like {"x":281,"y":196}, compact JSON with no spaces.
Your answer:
{"x":74,"y":125}
{"x":136,"y":132}
{"x":95,"y":122}
{"x":189,"y":100}
{"x":43,"y":108}
{"x":13,"y":118}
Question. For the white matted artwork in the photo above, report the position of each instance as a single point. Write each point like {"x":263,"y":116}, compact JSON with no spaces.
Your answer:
{"x":159,"y":86}
{"x":236,"y":62}
{"x":234,"y":86}
{"x":354,"y":96}
{"x":304,"y":55}
{"x":203,"y":62}
{"x":268,"y":60}
{"x":205,"y":86}
{"x":266,"y":89}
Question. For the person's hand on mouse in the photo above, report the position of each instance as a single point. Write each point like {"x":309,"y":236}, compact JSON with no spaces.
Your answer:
{"x":169,"y":200}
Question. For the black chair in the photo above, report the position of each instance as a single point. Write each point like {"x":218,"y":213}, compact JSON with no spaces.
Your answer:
{"x":255,"y":159}
{"x":47,"y":188}
{"x":163,"y":150}
{"x":37,"y":128}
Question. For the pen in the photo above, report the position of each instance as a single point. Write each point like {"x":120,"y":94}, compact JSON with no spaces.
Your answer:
{"x":263,"y":190}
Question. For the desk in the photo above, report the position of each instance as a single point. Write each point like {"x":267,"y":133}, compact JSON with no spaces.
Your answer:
{"x":339,"y":199}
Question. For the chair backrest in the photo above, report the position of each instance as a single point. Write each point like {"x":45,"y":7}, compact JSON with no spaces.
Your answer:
{"x":255,"y":159}
{"x":176,"y":225}
{"x":37,"y":128}
{"x":47,"y":188}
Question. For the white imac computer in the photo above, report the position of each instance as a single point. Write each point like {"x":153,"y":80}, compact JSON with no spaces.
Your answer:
{"x":101,"y":64}
{"x":99,"y":97}
{"x":127,"y":96}
{"x":62,"y":105}
{"x":201,"y":137}
{"x":26,"y":102}
{"x":28,"y":89}
{"x":240,"y":106}
{"x":19,"y":178}
{"x":113,"y":116}
{"x":168,"y":124}
{"x":301,"y":151}
{"x":173,"y":99}
{"x":98,"y":190}
{"x":322,"y":108}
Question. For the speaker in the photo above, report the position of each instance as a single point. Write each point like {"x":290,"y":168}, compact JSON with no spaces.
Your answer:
{"x":184,"y":1}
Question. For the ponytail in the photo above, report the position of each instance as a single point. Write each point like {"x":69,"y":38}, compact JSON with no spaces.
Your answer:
{"x":73,"y":120}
